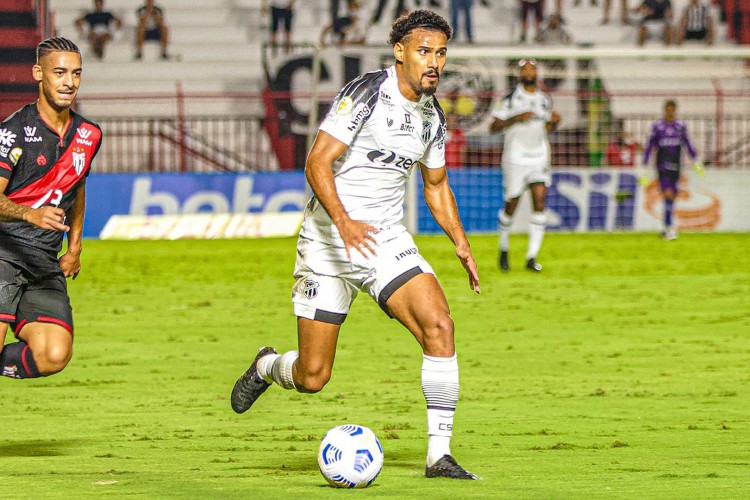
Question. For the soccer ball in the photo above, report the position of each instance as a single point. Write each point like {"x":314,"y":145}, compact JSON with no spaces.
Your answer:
{"x":350,"y":456}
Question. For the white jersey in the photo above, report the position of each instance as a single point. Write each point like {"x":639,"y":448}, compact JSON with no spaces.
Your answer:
{"x":387,"y":135}
{"x":526,"y":142}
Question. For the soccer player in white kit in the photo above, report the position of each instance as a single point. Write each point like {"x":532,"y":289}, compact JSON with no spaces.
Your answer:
{"x":526,"y":116}
{"x":352,"y":238}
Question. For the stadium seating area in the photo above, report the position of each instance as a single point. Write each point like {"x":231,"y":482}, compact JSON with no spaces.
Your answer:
{"x":217,"y":44}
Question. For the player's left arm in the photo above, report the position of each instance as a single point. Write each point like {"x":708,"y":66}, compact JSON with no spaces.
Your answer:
{"x":70,"y":261}
{"x":553,"y":122}
{"x":442,"y":205}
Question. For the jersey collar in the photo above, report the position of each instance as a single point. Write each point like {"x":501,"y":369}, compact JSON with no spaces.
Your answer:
{"x":393,"y":88}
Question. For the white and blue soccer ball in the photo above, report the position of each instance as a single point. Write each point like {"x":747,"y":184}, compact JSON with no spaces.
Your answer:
{"x":350,"y":456}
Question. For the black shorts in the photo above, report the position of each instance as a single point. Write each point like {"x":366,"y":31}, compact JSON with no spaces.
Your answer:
{"x":696,"y":35}
{"x":152,"y":34}
{"x":26,"y":299}
{"x":279,"y":16}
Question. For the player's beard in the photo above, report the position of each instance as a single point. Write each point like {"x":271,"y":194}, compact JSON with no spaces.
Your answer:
{"x":58,"y":105}
{"x":428,"y":90}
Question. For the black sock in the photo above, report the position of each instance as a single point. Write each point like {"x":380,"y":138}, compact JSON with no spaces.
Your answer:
{"x":16,"y":361}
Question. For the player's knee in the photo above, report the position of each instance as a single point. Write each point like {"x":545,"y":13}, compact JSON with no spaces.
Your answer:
{"x":438,"y":336}
{"x":311,"y":381}
{"x":54,"y":358}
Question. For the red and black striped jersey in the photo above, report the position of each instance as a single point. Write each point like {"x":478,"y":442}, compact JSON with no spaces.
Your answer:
{"x":43,"y":168}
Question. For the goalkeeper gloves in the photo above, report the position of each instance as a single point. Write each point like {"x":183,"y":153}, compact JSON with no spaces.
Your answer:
{"x":699,"y":169}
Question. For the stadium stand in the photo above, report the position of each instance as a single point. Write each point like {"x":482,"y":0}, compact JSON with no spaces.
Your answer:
{"x":19,"y":35}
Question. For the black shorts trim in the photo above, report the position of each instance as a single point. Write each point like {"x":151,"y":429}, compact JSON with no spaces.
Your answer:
{"x":394,"y":285}
{"x":329,"y":317}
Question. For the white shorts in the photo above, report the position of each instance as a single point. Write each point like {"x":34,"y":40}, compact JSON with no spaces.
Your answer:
{"x":328,"y":282}
{"x":516,"y":178}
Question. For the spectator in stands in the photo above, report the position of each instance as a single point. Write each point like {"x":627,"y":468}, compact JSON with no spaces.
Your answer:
{"x":378,"y":12}
{"x":345,"y":30}
{"x":622,"y":149}
{"x":282,"y":13}
{"x":100,"y":23}
{"x":554,"y":33}
{"x":656,"y":14}
{"x":464,"y":8}
{"x":696,"y":23}
{"x":528,"y":6}
{"x":623,"y":12}
{"x":151,"y":26}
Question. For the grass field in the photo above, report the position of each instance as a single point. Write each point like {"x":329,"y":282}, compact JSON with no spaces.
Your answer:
{"x":622,"y":371}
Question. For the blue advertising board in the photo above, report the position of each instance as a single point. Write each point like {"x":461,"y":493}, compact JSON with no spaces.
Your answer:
{"x":578,"y":199}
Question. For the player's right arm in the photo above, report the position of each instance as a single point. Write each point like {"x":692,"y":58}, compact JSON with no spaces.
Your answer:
{"x":505,"y":116}
{"x":319,"y":173}
{"x":653,"y":142}
{"x":45,"y":217}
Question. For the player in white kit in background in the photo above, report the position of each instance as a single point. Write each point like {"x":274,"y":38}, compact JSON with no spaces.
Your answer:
{"x":352,"y":238}
{"x":526,"y":117}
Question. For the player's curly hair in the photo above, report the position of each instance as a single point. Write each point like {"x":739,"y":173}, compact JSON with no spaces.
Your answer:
{"x":57,"y":44}
{"x":426,"y":19}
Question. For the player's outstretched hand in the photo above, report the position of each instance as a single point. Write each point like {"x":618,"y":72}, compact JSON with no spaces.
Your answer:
{"x":47,"y":217}
{"x":467,"y":260}
{"x":699,"y":168}
{"x":358,"y":235}
{"x":70,"y":263}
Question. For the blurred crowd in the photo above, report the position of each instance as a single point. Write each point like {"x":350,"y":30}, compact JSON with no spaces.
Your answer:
{"x":348,"y":22}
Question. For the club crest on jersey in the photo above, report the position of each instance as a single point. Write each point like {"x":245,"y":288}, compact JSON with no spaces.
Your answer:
{"x":310,"y":289}
{"x":389,"y":121}
{"x":426,"y":131}
{"x":79,"y":160}
{"x":84,"y":134}
{"x":345,"y":106}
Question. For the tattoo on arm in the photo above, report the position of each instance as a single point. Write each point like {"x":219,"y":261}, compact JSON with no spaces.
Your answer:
{"x":10,"y":210}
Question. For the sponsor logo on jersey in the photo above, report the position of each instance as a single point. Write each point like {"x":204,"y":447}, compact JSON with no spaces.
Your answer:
{"x":31,"y":136}
{"x":15,"y":155}
{"x":385,"y":157}
{"x":6,"y":138}
{"x":41,"y":160}
{"x":364,"y":112}
{"x":84,"y":134}
{"x":79,"y":160}
{"x":426,"y":131}
{"x":386,"y":100}
{"x":310,"y":289}
{"x":345,"y":106}
{"x":407,"y":127}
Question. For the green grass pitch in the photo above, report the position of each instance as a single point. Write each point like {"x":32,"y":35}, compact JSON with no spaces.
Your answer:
{"x":622,"y":371}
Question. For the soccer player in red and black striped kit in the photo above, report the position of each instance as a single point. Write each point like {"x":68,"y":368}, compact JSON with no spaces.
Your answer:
{"x":46,"y":151}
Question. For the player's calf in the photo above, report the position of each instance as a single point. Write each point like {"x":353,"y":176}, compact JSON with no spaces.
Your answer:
{"x":16,"y":361}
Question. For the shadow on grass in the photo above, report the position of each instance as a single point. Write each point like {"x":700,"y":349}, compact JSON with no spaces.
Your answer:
{"x":51,"y":448}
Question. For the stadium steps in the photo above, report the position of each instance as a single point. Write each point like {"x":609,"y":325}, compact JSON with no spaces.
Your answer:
{"x":18,"y":40}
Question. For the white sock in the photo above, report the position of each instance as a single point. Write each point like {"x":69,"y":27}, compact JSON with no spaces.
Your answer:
{"x":505,"y":222}
{"x":537,"y":222}
{"x":281,"y":369}
{"x":440,"y":389}
{"x":265,"y":365}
